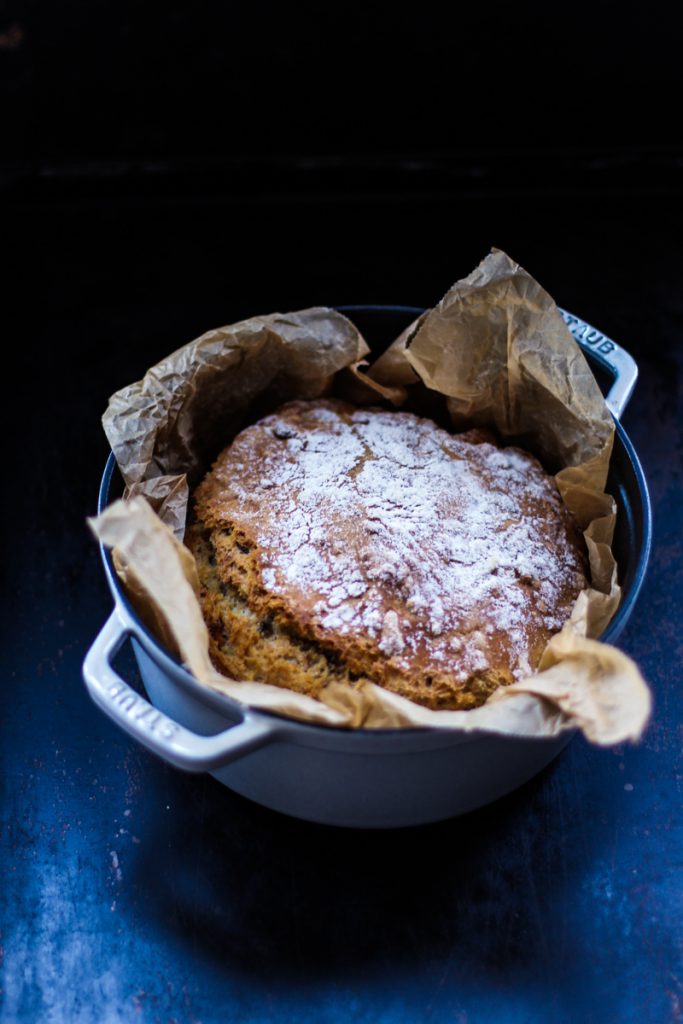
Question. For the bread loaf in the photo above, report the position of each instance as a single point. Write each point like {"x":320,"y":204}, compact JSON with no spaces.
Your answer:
{"x":337,"y":543}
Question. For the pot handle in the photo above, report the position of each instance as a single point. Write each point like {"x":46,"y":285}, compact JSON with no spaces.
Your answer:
{"x":154,"y":730}
{"x":615,"y":359}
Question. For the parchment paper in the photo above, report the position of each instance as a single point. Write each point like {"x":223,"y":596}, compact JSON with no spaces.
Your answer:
{"x":498,"y":353}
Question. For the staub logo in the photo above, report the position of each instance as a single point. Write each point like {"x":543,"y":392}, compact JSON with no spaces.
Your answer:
{"x":584,"y":333}
{"x":140,"y":711}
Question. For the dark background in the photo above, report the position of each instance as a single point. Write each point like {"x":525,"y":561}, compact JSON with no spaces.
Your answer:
{"x":168,"y":168}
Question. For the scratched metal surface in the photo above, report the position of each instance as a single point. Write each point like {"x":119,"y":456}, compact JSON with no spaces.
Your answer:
{"x":132,"y":892}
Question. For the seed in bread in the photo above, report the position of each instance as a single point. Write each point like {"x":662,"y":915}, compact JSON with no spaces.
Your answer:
{"x":336,"y":543}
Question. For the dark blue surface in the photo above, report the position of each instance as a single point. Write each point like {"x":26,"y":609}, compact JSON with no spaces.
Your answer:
{"x":132,"y":892}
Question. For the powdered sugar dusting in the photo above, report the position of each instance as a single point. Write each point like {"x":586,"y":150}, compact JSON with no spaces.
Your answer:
{"x":391,"y":640}
{"x":388,"y":529}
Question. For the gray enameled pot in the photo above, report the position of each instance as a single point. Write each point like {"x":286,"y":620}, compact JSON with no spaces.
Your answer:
{"x":356,"y":778}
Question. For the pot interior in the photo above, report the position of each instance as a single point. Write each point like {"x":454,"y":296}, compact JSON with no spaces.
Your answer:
{"x":380,"y":325}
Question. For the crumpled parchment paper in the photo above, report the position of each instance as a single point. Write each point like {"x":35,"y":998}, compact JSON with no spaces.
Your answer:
{"x":498,"y":353}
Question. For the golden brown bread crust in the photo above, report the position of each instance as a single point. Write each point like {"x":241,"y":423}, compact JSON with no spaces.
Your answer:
{"x":344,"y":544}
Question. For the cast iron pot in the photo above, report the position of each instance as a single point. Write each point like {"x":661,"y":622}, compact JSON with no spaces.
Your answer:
{"x":359,"y":778}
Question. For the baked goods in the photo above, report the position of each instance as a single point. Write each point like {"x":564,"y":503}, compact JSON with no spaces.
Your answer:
{"x":337,"y":543}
